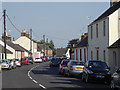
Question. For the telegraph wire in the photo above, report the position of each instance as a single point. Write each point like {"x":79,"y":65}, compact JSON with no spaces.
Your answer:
{"x":13,"y":24}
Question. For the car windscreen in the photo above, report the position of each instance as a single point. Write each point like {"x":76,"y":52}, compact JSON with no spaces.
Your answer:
{"x":98,"y":65}
{"x":77,"y":63}
{"x":65,"y":63}
{"x":55,"y":60}
{"x":16,"y":59}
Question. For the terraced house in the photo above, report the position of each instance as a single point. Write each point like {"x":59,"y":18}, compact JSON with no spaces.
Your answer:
{"x":104,"y":37}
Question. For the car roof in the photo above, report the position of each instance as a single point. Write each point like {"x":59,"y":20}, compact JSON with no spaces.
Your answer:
{"x":95,"y":61}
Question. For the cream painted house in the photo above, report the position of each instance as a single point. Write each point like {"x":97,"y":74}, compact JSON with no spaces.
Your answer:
{"x":102,"y":33}
{"x":26,"y":43}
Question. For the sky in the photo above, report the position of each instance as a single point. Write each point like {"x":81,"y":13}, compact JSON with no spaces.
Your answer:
{"x":58,"y":21}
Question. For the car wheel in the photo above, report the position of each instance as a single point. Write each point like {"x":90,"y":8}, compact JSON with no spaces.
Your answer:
{"x":112,"y":85}
{"x":83,"y":78}
{"x":87,"y":79}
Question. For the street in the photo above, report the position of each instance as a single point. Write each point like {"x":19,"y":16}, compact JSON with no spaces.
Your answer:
{"x":40,"y":75}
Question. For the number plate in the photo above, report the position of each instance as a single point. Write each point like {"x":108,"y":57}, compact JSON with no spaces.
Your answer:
{"x":2,"y":66}
{"x":98,"y":76}
{"x":79,"y":68}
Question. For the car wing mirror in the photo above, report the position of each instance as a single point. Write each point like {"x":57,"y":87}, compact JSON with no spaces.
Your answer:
{"x":118,"y":70}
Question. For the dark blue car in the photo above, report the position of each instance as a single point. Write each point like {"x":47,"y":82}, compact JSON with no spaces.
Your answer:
{"x":54,"y":62}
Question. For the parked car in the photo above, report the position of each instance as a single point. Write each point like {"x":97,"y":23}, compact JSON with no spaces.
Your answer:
{"x":54,"y":62}
{"x":30,"y":60}
{"x":18,"y":62}
{"x":74,"y":68}
{"x":38,"y":60}
{"x":24,"y":61}
{"x":115,"y":81}
{"x":96,"y":70}
{"x":5,"y":64}
{"x":12,"y":62}
{"x":63,"y":66}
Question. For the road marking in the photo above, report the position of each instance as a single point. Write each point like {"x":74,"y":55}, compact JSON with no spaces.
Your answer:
{"x":42,"y":86}
{"x":33,"y":79}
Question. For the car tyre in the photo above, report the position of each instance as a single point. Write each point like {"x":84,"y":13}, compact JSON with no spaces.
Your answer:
{"x":87,"y":79}
{"x":83,"y":78}
{"x":112,"y":85}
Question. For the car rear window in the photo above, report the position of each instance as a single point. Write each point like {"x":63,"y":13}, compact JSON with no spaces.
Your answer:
{"x":98,"y":65}
{"x":65,"y":63}
{"x":77,"y":63}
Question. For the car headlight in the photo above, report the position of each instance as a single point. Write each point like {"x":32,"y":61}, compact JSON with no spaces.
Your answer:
{"x":89,"y":71}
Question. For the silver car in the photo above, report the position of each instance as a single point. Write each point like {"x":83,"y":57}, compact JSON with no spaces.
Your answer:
{"x":5,"y":64}
{"x":17,"y":62}
{"x":74,"y":68}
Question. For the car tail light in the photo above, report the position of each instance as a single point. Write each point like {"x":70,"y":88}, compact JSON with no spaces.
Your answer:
{"x":6,"y":62}
{"x":11,"y":60}
{"x":71,"y":68}
{"x":18,"y":61}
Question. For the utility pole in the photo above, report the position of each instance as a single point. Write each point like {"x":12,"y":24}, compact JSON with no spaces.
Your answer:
{"x":44,"y":45}
{"x":31,"y":41}
{"x":5,"y":33}
{"x":47,"y":45}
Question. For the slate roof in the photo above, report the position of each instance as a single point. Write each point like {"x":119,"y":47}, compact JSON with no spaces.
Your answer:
{"x":2,"y":51}
{"x":116,"y":44}
{"x":14,"y":46}
{"x":83,"y":43}
{"x":108,"y":12}
{"x":17,"y":47}
{"x":61,"y":51}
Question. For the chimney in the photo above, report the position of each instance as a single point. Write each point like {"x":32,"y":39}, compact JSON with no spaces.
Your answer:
{"x":84,"y":35}
{"x":112,"y":2}
{"x":9,"y":37}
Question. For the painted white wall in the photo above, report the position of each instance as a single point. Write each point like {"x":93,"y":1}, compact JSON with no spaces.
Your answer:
{"x":67,"y":53}
{"x":102,"y":42}
{"x":25,"y":42}
{"x":113,"y":27}
{"x":8,"y":47}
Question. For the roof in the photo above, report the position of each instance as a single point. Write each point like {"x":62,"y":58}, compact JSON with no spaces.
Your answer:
{"x":83,"y":43}
{"x":42,"y":46}
{"x":14,"y":46}
{"x":2,"y":51}
{"x":116,"y":44}
{"x":61,"y":51}
{"x":23,"y":48}
{"x":108,"y":12}
{"x":17,"y":47}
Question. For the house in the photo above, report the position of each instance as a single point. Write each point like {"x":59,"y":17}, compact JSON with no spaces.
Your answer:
{"x":81,"y":49}
{"x":61,"y":51}
{"x":2,"y":52}
{"x":27,"y":43}
{"x":103,"y":33}
{"x":45,"y":49}
{"x":71,"y":44}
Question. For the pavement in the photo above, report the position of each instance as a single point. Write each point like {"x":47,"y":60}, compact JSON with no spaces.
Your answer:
{"x":41,"y":76}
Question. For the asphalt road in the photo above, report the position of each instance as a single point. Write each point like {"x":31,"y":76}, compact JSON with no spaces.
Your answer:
{"x":40,"y":75}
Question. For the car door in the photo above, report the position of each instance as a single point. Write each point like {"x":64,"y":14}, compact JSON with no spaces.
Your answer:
{"x":118,"y":77}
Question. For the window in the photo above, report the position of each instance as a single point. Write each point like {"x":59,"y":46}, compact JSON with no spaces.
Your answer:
{"x":104,"y":28}
{"x":97,"y":30}
{"x":104,"y":55}
{"x":91,"y":31}
{"x":76,"y":54}
{"x":84,"y":54}
{"x":115,"y":58}
{"x":91,"y":55}
{"x":80,"y":55}
{"x":97,"y":54}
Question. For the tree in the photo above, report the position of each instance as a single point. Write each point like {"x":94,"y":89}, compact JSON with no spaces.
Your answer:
{"x":51,"y":45}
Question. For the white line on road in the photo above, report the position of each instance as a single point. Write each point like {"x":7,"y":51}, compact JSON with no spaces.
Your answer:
{"x":33,"y":79}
